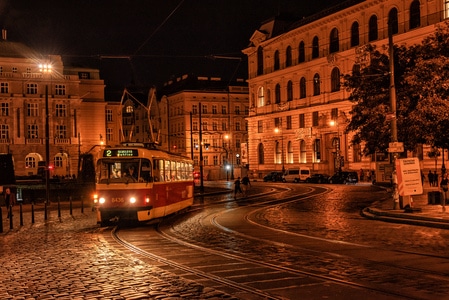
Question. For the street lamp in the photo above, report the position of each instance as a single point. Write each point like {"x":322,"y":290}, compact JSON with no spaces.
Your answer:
{"x":337,"y":145}
{"x":229,"y":157}
{"x":278,"y":130}
{"x":46,"y":69}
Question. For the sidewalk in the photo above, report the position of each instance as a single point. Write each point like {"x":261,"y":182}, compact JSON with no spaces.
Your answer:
{"x":421,"y":213}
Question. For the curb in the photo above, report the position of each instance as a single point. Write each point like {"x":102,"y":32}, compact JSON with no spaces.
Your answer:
{"x":400,"y":217}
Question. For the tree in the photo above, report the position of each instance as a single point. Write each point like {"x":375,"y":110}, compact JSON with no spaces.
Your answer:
{"x":422,"y":89}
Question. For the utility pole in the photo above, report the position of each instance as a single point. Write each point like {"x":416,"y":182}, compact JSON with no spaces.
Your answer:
{"x":394,"y":130}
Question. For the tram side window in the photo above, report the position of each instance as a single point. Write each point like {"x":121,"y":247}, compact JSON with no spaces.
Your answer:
{"x":158,"y":170}
{"x":167,"y":170}
{"x":145,"y":171}
{"x":173,"y":171}
{"x":190,"y":171}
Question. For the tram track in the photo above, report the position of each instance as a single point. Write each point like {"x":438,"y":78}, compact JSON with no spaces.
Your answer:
{"x":238,"y":272}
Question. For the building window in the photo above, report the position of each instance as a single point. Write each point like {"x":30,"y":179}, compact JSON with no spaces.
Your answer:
{"x":4,"y":106}
{"x":277,"y":122}
{"x":259,"y":61}
{"x":60,"y":89}
{"x":277,"y":93}
{"x":276,"y":60}
{"x":301,"y":52}
{"x":355,"y":36}
{"x":393,"y":21}
{"x":372,"y":28}
{"x":302,"y":121}
{"x":14,"y":69}
{"x":195,"y":125}
{"x":214,"y":126}
{"x":214,"y":109}
{"x":204,"y":109}
{"x":316,"y":85}
{"x":302,"y":88}
{"x":61,"y":131}
{"x":317,"y":150}
{"x":288,"y":56}
{"x":278,"y":152}
{"x":289,"y":152}
{"x":237,"y":126}
{"x":315,"y":48}
{"x":223,"y":109}
{"x":334,"y":114}
{"x":237,"y":110}
{"x":33,"y":131}
{"x":335,"y":80}
{"x":109,"y":134}
{"x":224,"y":126}
{"x":289,"y":90}
{"x":109,"y":115}
{"x":30,"y":162}
{"x":260,"y":97}
{"x":215,"y":160}
{"x":302,"y":152}
{"x":194,"y":109}
{"x":206,"y":160}
{"x":261,"y":155}
{"x":205,"y":126}
{"x":4,"y":87}
{"x":259,"y":126}
{"x":61,"y":110}
{"x":58,"y":161}
{"x":32,"y":110}
{"x":84,"y":75}
{"x":4,"y":131}
{"x":415,"y":15}
{"x":315,"y":118}
{"x":334,"y":41}
{"x":32,"y":88}
{"x":289,"y":122}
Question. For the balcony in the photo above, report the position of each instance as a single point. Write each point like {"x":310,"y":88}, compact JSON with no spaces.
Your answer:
{"x":62,"y":141}
{"x":33,"y":141}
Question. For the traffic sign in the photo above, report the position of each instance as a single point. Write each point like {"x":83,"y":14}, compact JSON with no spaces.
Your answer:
{"x":396,"y":147}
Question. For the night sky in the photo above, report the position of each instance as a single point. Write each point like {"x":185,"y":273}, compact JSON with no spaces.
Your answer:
{"x":143,"y":42}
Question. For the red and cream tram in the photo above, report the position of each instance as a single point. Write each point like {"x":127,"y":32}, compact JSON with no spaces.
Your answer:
{"x":141,"y":184}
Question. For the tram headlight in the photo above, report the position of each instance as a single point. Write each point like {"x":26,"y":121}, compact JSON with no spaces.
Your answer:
{"x":132,"y":200}
{"x":95,"y":198}
{"x":102,"y":200}
{"x":147,"y":199}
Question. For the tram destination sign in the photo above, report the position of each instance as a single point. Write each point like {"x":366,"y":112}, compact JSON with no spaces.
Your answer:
{"x":120,"y":152}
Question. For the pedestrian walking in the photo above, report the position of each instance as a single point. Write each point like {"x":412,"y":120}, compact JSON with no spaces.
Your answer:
{"x":435,"y":178}
{"x":246,"y":184}
{"x":444,"y":188}
{"x":237,"y":187}
{"x":430,"y":177}
{"x":10,"y":200}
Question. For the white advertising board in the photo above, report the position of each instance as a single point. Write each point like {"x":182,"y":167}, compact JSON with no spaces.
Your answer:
{"x":409,"y":176}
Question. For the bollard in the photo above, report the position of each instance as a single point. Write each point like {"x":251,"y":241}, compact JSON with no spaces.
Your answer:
{"x":45,"y":211}
{"x":21,"y":214}
{"x":71,"y":207}
{"x":59,"y":207}
{"x":1,"y":220}
{"x":82,"y":204}
{"x":11,"y":223}
{"x":32,"y":212}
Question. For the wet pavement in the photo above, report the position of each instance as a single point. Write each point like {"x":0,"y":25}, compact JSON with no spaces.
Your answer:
{"x":67,"y":256}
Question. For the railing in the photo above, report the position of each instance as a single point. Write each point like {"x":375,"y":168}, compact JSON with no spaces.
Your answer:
{"x":33,"y":141}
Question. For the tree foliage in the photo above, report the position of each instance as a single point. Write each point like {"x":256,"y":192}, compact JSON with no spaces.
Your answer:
{"x":422,"y":93}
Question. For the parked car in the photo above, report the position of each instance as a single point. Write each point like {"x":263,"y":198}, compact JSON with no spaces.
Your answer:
{"x":344,"y":177}
{"x":274,"y":176}
{"x":318,"y":178}
{"x":304,"y":173}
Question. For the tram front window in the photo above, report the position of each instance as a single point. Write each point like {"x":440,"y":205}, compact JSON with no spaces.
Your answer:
{"x":127,"y":171}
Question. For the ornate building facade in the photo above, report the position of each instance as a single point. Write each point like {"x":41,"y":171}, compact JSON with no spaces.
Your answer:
{"x":295,"y":70}
{"x":38,"y":90}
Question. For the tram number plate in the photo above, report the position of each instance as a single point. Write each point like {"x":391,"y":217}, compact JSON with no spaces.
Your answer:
{"x":117,"y":200}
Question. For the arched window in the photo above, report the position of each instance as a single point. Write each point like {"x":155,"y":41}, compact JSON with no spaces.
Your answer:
{"x":278,"y":153}
{"x":301,"y":52}
{"x":393,"y":21}
{"x":302,"y":88}
{"x":334,"y":41}
{"x":415,"y":15}
{"x":315,"y":48}
{"x":302,"y":151}
{"x":261,"y":155}
{"x":372,"y":28}
{"x":355,"y":36}
{"x":268,"y":97}
{"x":259,"y":61}
{"x":289,"y":152}
{"x":260,"y":97}
{"x":30,"y":162}
{"x":316,"y":85}
{"x":357,"y":152}
{"x":277,"y":63}
{"x":277,"y":93}
{"x":289,"y":90}
{"x":288,"y":56}
{"x":335,"y":80}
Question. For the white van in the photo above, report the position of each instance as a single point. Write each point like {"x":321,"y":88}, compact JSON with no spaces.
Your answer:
{"x":297,"y":175}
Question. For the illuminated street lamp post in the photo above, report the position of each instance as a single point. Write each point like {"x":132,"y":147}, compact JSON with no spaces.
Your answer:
{"x":278,"y":130}
{"x":46,"y":69}
{"x":229,"y":157}
{"x":337,"y":146}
